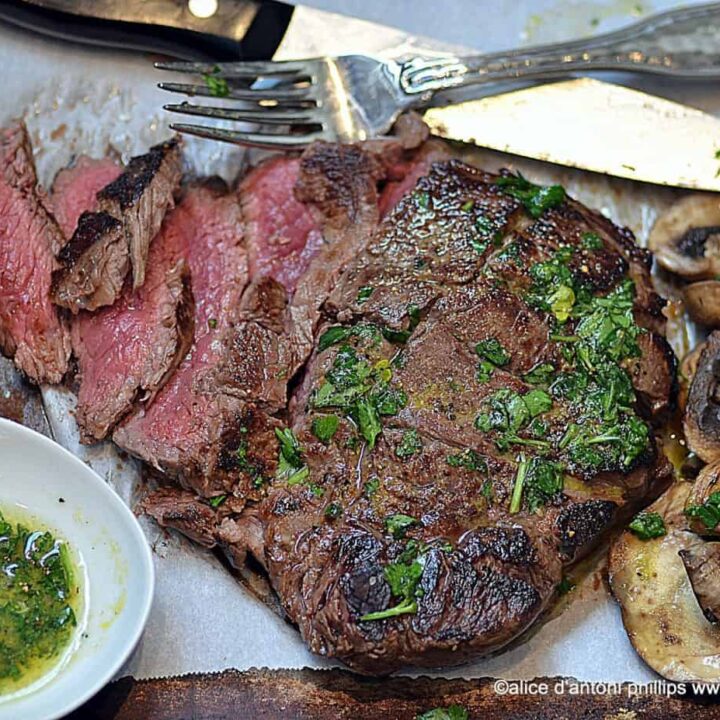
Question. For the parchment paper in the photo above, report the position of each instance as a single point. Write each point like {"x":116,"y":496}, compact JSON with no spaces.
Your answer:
{"x":77,"y":100}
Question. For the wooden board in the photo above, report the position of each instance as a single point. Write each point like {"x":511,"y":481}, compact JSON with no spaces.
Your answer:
{"x":341,"y":695}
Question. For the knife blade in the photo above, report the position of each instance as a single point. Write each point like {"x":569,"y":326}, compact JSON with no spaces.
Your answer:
{"x":593,"y":125}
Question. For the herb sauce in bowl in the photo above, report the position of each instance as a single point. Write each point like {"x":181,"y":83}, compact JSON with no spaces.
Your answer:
{"x":40,"y":602}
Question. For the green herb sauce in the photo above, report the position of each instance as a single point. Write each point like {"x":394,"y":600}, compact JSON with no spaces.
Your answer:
{"x":39,"y":602}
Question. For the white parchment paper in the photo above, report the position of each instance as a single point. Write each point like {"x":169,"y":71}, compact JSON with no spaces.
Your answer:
{"x":81,"y":100}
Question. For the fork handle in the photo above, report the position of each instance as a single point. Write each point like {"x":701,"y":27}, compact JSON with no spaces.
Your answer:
{"x":683,"y":42}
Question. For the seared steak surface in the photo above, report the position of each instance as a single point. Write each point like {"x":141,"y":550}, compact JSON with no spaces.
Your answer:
{"x":113,"y":236}
{"x":474,"y":381}
{"x":31,"y":331}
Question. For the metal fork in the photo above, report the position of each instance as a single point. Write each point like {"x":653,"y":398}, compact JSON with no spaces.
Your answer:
{"x":355,"y":97}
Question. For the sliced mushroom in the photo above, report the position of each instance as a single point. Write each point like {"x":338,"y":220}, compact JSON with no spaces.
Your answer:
{"x":702,"y":414}
{"x":686,"y":238}
{"x":702,"y":564}
{"x":702,"y":300}
{"x":706,"y":485}
{"x":662,"y":616}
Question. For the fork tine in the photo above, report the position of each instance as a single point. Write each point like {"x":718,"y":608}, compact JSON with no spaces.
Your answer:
{"x":279,"y":94}
{"x":253,"y":139}
{"x":240,"y":69}
{"x":267,"y":116}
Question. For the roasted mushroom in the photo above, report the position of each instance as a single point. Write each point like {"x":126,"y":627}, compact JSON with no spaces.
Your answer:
{"x":703,"y":503}
{"x":702,"y":300}
{"x":686,"y":238}
{"x":661,"y":613}
{"x":702,"y":414}
{"x":702,"y":563}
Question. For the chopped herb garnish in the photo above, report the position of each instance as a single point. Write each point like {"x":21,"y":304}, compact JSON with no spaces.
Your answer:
{"x":467,"y":206}
{"x":708,"y":512}
{"x":397,"y":525}
{"x":520,"y":475}
{"x":565,"y":586}
{"x":537,"y":402}
{"x":364,"y":294}
{"x":561,"y":303}
{"x":493,"y":351}
{"x":544,"y":480}
{"x":409,"y":445}
{"x":452,"y":712}
{"x":372,"y":486}
{"x":324,"y":427}
{"x":368,"y":420}
{"x":648,"y":525}
{"x":591,"y":241}
{"x":403,"y":576}
{"x":422,"y":199}
{"x":535,"y":198}
{"x":468,"y":459}
{"x":217,"y":501}
{"x":218,"y":86}
{"x":290,"y":464}
{"x":333,"y":511}
{"x":212,"y":323}
{"x":485,"y":369}
{"x":540,"y":374}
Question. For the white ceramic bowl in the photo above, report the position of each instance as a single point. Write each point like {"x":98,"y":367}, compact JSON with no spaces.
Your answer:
{"x":43,"y":480}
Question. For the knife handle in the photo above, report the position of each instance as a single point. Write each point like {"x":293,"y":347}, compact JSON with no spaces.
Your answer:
{"x":683,"y":42}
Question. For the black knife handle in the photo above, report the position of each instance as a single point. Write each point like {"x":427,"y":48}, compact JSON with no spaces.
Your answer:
{"x":256,"y":35}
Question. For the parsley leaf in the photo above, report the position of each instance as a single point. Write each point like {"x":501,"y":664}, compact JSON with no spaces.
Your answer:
{"x":290,"y":464}
{"x":398,"y":524}
{"x":410,"y":444}
{"x":535,"y":198}
{"x":218,"y":86}
{"x":540,"y":374}
{"x":492,"y":350}
{"x":468,"y":459}
{"x":453,"y":712}
{"x":708,"y":512}
{"x":217,"y":501}
{"x":364,"y":294}
{"x":648,"y":525}
{"x":324,"y":427}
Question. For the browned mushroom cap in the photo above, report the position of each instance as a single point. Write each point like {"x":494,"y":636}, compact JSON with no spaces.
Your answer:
{"x":702,"y":300}
{"x":702,"y":563}
{"x":686,"y":237}
{"x":703,"y":515}
{"x":661,"y":614}
{"x":702,"y":414}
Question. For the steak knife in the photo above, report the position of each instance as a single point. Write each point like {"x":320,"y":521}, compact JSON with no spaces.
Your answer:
{"x":593,"y":125}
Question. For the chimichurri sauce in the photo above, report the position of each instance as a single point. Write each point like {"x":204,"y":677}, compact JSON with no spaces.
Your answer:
{"x":37,"y":598}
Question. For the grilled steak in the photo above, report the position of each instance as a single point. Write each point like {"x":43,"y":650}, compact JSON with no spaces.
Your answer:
{"x":31,"y":331}
{"x":116,"y":238}
{"x":195,"y":425}
{"x":282,"y":235}
{"x":126,"y":352}
{"x":479,"y":373}
{"x":75,"y":188}
{"x":471,"y":427}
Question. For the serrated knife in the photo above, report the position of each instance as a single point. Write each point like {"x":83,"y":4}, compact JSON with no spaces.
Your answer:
{"x":595,"y":126}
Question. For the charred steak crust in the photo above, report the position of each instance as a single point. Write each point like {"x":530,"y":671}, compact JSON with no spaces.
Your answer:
{"x":31,"y":331}
{"x":100,"y":253}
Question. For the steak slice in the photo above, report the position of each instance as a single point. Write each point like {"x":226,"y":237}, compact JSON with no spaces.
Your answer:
{"x":75,"y":188}
{"x":483,"y":438}
{"x":108,"y":243}
{"x":282,"y":233}
{"x":197,"y":429}
{"x":31,"y":332}
{"x":127,"y":351}
{"x":141,"y":196}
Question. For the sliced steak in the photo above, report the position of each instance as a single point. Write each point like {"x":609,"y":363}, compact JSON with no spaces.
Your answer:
{"x":282,"y":233}
{"x":126,"y":352}
{"x":141,"y":196}
{"x":109,"y":242}
{"x":93,"y":264}
{"x":31,"y":332}
{"x":75,"y":188}
{"x":197,"y":429}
